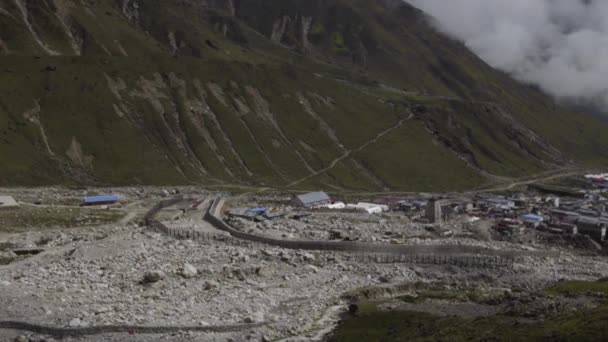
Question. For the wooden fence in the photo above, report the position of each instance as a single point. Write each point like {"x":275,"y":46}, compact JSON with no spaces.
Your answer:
{"x":464,"y":256}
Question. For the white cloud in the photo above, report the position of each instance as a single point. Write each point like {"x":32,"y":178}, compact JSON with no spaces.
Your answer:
{"x":560,"y":45}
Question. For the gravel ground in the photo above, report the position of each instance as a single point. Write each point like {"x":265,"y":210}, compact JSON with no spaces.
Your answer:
{"x":338,"y":226}
{"x":126,"y":274}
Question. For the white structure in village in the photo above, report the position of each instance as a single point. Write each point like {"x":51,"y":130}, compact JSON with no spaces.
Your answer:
{"x":312,"y":200}
{"x":337,"y":205}
{"x":370,"y":208}
{"x":8,"y":202}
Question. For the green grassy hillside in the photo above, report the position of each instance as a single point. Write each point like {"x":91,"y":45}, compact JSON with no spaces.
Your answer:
{"x":266,"y":93}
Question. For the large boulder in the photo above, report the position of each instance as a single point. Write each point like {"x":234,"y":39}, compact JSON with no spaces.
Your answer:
{"x":256,"y":317}
{"x":153,"y":277}
{"x":188,"y":271}
{"x":308,"y":257}
{"x":76,"y":323}
{"x":311,"y":268}
{"x":211,"y":285}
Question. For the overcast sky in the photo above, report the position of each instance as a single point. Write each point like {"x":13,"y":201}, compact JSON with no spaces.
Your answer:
{"x":560,"y":45}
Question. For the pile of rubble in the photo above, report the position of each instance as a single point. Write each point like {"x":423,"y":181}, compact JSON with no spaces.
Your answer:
{"x":392,"y":228}
{"x":336,"y":226}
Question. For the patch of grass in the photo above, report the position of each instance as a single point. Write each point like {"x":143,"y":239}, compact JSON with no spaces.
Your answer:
{"x":27,"y":219}
{"x":574,"y":288}
{"x":372,"y":324}
{"x":408,"y":159}
{"x":347,"y":174}
{"x":587,"y":325}
{"x":338,"y":44}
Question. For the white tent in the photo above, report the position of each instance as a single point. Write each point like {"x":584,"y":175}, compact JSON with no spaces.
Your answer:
{"x":373,"y":210}
{"x":369,"y":208}
{"x":382,"y":207}
{"x":337,"y":205}
{"x":8,"y":202}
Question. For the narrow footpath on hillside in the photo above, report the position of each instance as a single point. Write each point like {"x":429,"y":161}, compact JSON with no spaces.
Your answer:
{"x":547,"y":176}
{"x":348,"y":153}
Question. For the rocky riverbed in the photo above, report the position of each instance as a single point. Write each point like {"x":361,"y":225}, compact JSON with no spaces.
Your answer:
{"x":126,"y":274}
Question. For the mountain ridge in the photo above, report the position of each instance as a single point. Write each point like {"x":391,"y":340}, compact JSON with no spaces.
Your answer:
{"x":265,"y":93}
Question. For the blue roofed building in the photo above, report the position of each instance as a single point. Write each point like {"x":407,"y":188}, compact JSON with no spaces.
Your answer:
{"x":100,"y":200}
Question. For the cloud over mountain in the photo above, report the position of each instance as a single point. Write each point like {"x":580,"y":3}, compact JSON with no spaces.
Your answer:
{"x":559,"y":45}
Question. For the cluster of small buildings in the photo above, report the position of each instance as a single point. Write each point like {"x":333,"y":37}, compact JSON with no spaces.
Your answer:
{"x":583,"y":212}
{"x":550,"y":209}
{"x":598,"y":179}
{"x":318,"y":200}
{"x":593,"y":224}
{"x":302,"y":204}
{"x":415,"y":208}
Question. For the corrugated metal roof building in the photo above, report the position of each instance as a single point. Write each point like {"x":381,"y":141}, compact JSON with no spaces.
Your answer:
{"x":312,"y":199}
{"x":594,"y":227}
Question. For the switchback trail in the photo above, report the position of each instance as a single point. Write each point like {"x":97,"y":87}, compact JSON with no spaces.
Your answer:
{"x":348,"y":153}
{"x":128,"y":217}
{"x":514,"y":183}
{"x":566,"y":172}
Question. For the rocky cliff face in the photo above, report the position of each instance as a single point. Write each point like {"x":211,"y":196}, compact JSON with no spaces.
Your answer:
{"x":352,"y":94}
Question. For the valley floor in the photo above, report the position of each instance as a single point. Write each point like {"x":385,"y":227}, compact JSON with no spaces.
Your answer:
{"x":121,"y":273}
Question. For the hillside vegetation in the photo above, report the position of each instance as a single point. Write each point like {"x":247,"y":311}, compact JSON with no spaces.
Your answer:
{"x":347,"y":94}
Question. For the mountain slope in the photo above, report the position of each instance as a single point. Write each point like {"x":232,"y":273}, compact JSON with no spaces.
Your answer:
{"x":353,"y":94}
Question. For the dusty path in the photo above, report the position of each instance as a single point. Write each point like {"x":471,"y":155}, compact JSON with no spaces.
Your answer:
{"x":512,"y":184}
{"x":130,"y":216}
{"x":563,"y":173}
{"x":348,"y":153}
{"x":497,"y":187}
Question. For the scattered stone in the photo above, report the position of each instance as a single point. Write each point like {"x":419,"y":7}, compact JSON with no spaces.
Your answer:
{"x":308,"y":257}
{"x":75,"y":323}
{"x":211,"y":285}
{"x":384,"y":279}
{"x":20,"y":338}
{"x":4,"y":283}
{"x":256,"y":317}
{"x":102,"y":309}
{"x":285,"y":256}
{"x":153,"y":277}
{"x":188,"y":271}
{"x":240,"y":275}
{"x":312,"y":268}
